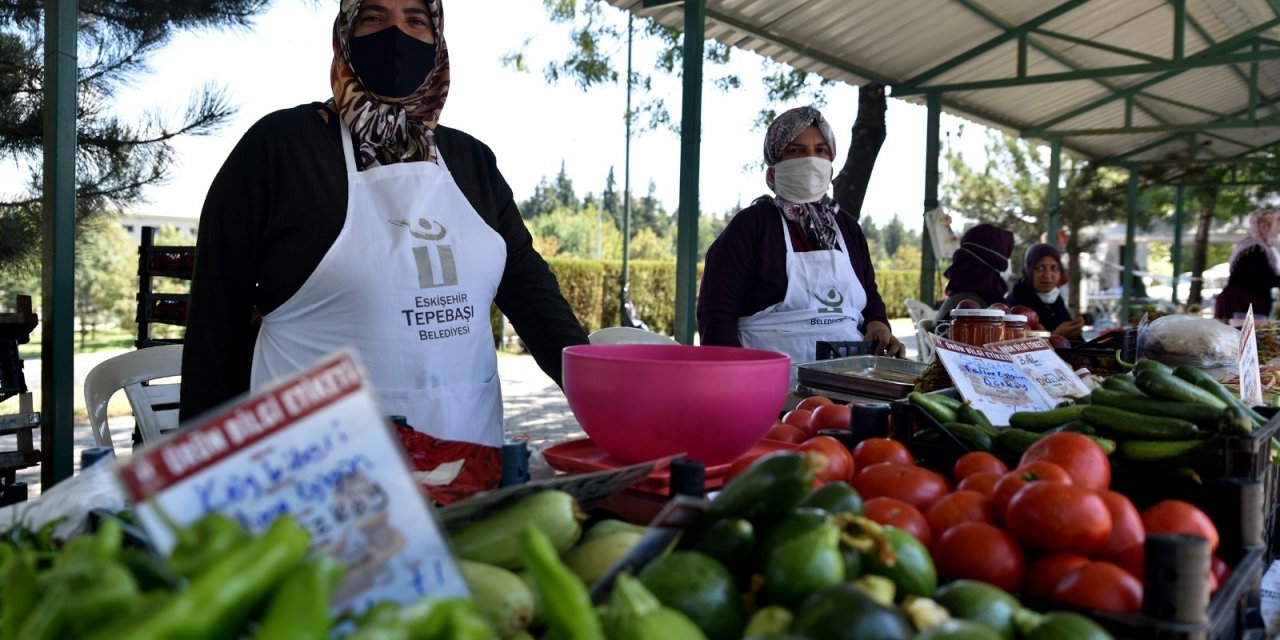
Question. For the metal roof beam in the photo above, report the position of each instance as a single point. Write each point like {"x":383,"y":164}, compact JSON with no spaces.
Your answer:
{"x":1164,"y":141}
{"x":1186,"y":64}
{"x":1157,"y":128}
{"x":1084,"y":42}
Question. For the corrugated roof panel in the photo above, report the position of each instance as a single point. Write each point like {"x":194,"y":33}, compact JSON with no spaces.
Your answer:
{"x":1140,"y":25}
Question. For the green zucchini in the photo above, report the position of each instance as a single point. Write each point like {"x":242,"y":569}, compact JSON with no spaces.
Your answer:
{"x":1041,"y":421}
{"x":972,"y":415}
{"x":972,"y":436}
{"x":1235,"y":420}
{"x":937,"y":410}
{"x":947,"y":400}
{"x":1017,"y":440}
{"x":1123,"y":383}
{"x":1201,"y":414}
{"x":1202,"y":379}
{"x":1136,"y":425}
{"x":1075,"y":426}
{"x":1170,"y":387}
{"x":1154,"y":450}
{"x":1151,"y":365}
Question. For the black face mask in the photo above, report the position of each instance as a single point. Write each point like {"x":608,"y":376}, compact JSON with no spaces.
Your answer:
{"x":391,"y":62}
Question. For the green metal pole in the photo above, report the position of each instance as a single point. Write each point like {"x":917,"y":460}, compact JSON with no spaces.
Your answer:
{"x":1054,"y":204}
{"x":932,"y":148}
{"x":626,"y":171}
{"x":695,"y":17}
{"x":1177,"y":240}
{"x":1126,"y":293}
{"x":59,"y":204}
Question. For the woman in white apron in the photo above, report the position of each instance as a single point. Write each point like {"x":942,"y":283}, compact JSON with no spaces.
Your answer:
{"x":793,"y":269}
{"x":415,"y":252}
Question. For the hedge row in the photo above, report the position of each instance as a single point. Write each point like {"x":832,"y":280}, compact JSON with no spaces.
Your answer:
{"x":591,"y":287}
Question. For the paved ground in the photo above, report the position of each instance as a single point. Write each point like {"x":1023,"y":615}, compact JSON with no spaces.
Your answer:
{"x":534,"y":407}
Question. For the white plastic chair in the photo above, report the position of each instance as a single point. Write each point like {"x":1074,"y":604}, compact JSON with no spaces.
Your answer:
{"x":155,"y":406}
{"x":628,"y":335}
{"x":922,"y":316}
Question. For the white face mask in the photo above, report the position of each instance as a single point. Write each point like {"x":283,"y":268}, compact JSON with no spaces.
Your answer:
{"x":802,"y":180}
{"x":1049,"y":298}
{"x":1008,"y":265}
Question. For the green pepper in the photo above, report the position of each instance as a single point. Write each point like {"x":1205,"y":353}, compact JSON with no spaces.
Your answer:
{"x":633,"y":613}
{"x":565,"y":601}
{"x":804,"y":563}
{"x":86,"y":587}
{"x":20,"y":594}
{"x":200,"y":545}
{"x":299,"y":610}
{"x":221,"y":598}
{"x":424,"y":619}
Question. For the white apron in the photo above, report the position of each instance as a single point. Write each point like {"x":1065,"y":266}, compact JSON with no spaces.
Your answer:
{"x":408,"y":284}
{"x":824,"y":301}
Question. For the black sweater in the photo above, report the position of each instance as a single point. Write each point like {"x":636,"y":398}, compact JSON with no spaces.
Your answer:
{"x":272,"y":212}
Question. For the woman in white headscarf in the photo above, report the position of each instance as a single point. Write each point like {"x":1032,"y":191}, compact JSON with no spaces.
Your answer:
{"x":793,"y":268}
{"x":1255,"y":269}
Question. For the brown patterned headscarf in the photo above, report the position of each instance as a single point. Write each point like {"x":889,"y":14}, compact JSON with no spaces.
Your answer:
{"x":397,"y":130}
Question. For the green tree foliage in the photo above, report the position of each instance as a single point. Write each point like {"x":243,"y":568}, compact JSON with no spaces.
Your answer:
{"x":115,"y":159}
{"x":106,"y":276}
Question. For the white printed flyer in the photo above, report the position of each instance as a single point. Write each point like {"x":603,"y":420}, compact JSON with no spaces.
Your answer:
{"x":1039,"y":360}
{"x":315,"y":446}
{"x":990,"y":381}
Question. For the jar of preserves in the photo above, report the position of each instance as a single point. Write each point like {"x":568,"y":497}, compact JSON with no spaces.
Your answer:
{"x":974,"y":326}
{"x":1015,"y":326}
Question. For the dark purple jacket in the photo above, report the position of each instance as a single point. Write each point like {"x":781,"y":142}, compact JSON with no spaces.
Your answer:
{"x":746,"y":271}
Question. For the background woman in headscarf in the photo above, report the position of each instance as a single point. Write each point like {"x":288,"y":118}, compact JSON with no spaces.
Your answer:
{"x":1039,"y":288}
{"x":362,"y":222}
{"x":1255,"y":269}
{"x":980,"y":269}
{"x":793,"y":268}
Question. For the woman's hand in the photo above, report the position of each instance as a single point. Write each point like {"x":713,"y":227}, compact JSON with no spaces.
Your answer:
{"x":1070,"y":329}
{"x":886,"y":343}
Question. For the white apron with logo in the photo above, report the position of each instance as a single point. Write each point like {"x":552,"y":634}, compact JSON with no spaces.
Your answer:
{"x":408,"y":284}
{"x":824,"y":301}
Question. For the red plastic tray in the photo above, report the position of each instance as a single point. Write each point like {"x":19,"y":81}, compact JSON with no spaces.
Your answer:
{"x":583,"y":456}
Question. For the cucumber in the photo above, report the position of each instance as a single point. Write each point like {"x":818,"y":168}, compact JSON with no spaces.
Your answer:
{"x":1170,"y":387}
{"x":1017,"y":440}
{"x":1154,"y":450}
{"x":1041,"y":421}
{"x":1075,"y":426}
{"x":1136,"y":425}
{"x":1235,"y":420}
{"x":1201,"y":414}
{"x":946,"y":400}
{"x":770,"y":488}
{"x":1123,"y":383}
{"x":973,"y":437}
{"x":972,"y":415}
{"x":936,"y":409}
{"x":490,"y":541}
{"x":1202,"y":379}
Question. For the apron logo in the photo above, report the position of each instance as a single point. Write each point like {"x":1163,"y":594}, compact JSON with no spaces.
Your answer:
{"x":831,"y":303}
{"x":436,"y":267}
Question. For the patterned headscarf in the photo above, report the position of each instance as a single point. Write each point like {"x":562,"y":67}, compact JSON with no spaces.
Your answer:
{"x":818,"y":219}
{"x":399,"y":130}
{"x":1262,"y":228}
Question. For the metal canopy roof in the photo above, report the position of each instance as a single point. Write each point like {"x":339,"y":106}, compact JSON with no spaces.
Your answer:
{"x":1121,"y":81}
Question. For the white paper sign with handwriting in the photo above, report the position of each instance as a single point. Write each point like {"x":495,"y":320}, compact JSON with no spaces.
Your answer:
{"x":315,"y":446}
{"x":991,"y":381}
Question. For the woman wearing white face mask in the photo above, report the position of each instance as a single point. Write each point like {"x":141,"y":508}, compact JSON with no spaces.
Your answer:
{"x":1039,"y":289}
{"x":793,"y":269}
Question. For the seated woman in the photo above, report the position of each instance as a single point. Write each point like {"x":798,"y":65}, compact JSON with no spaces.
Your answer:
{"x":980,"y":269}
{"x":1255,"y":269}
{"x":793,"y":268}
{"x":1039,"y":289}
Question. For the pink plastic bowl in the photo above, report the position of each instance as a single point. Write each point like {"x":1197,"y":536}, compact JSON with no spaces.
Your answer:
{"x":639,"y":402}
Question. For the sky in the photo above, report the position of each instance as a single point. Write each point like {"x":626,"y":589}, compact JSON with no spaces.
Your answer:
{"x":532,"y":126}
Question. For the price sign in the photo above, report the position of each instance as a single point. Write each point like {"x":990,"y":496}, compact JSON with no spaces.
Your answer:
{"x":1250,"y":382}
{"x":990,"y":381}
{"x":315,"y":446}
{"x":1039,"y":361}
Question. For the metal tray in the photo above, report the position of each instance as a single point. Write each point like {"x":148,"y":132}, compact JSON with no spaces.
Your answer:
{"x":877,"y":376}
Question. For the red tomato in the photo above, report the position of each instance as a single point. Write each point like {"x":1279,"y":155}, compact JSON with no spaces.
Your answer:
{"x":786,"y":433}
{"x":798,"y":418}
{"x":1084,"y":460}
{"x":1177,"y":516}
{"x":957,"y":507}
{"x":1102,"y":586}
{"x":976,"y":461}
{"x":1218,"y":570}
{"x":875,"y":450}
{"x":1010,"y":483}
{"x":1045,"y":573}
{"x":1134,"y":560}
{"x":980,"y":551}
{"x":1126,"y":526}
{"x":813,"y":402}
{"x":983,"y":482}
{"x":831,"y":416}
{"x":914,"y":485}
{"x":1058,"y":517}
{"x":896,"y":513}
{"x":839,"y":459}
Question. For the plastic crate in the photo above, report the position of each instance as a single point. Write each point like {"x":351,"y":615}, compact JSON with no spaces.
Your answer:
{"x":1099,"y":355}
